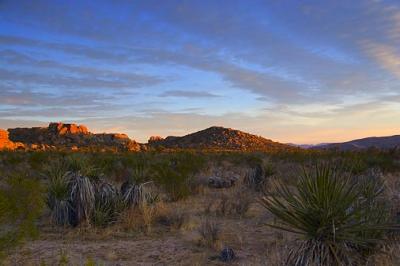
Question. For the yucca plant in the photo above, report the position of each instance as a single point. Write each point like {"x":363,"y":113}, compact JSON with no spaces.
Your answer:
{"x":107,"y":204}
{"x":338,"y":220}
{"x":81,"y":164}
{"x":58,"y":195}
{"x":58,"y":199}
{"x":106,"y":193}
{"x":133,"y":195}
{"x":82,"y":196}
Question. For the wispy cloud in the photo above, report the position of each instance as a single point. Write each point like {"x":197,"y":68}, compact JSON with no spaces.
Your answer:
{"x":188,"y":94}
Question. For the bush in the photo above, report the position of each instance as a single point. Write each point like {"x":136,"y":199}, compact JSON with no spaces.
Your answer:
{"x":174,"y":174}
{"x":108,"y":204}
{"x":82,"y":196}
{"x":340,"y":219}
{"x":257,"y":177}
{"x":234,"y":202}
{"x":58,"y":196}
{"x":209,"y":233}
{"x":21,"y":203}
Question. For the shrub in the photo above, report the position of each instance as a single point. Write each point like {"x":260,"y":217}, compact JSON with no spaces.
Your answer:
{"x":21,"y":203}
{"x":235,"y":202}
{"x":258,"y":175}
{"x":174,"y":174}
{"x":82,"y":195}
{"x":209,"y":233}
{"x":340,"y":220}
{"x":107,"y":204}
{"x":81,"y":164}
{"x":58,"y":196}
{"x":134,"y":195}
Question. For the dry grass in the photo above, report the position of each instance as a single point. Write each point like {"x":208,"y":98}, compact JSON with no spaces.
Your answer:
{"x":233,"y":202}
{"x":209,"y":232}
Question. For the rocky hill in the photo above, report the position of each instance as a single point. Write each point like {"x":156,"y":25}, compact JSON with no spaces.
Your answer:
{"x":218,"y":138}
{"x":64,"y":136}
{"x":365,"y":143}
{"x":6,"y":143}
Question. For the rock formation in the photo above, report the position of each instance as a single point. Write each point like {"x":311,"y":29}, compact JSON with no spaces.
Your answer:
{"x":219,"y":138}
{"x":6,"y":143}
{"x":70,"y":136}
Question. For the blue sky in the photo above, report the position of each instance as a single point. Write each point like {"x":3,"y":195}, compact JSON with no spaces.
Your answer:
{"x":292,"y":71}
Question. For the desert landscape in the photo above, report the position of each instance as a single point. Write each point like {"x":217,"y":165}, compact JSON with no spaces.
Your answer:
{"x":72,"y":197}
{"x":184,"y":132}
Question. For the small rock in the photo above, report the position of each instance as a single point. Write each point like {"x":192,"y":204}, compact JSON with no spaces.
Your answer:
{"x":227,"y":255}
{"x":218,"y":182}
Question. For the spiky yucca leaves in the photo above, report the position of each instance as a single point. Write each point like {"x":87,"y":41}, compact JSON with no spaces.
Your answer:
{"x":58,"y":199}
{"x":58,"y":196}
{"x":107,"y":204}
{"x":334,"y":217}
{"x":134,"y":195}
{"x":82,"y":195}
{"x":81,"y":164}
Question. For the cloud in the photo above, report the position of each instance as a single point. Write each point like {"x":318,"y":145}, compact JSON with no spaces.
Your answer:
{"x":72,"y":76}
{"x":387,"y":56}
{"x":188,"y":94}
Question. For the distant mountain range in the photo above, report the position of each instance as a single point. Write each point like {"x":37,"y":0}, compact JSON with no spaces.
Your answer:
{"x":389,"y":142}
{"x":75,"y":137}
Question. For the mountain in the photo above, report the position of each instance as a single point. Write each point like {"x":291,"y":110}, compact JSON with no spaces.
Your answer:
{"x":365,"y":143}
{"x":64,"y":136}
{"x":218,"y":138}
{"x":308,"y":146}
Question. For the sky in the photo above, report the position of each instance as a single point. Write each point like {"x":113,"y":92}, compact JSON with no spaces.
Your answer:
{"x":291,"y":71}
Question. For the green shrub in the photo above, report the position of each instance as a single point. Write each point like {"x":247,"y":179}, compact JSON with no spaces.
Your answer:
{"x":21,"y":203}
{"x":83,"y":165}
{"x":340,"y":219}
{"x":58,"y":200}
{"x":175,"y":172}
{"x":107,"y":204}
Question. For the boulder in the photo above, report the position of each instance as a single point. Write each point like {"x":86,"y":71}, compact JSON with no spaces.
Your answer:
{"x":63,"y":129}
{"x":153,"y":139}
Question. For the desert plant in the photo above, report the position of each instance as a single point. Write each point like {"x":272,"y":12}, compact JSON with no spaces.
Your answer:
{"x":103,"y":215}
{"x":106,"y":193}
{"x":209,"y":233}
{"x":174,"y":174}
{"x":82,"y":195}
{"x":81,"y":164}
{"x":133,"y":195}
{"x":149,"y":212}
{"x":334,"y":217}
{"x":21,"y":203}
{"x":258,"y":175}
{"x":107,"y":204}
{"x":58,"y":199}
{"x":235,"y":202}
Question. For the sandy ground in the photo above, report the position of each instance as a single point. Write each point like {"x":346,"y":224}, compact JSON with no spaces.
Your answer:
{"x":253,"y":242}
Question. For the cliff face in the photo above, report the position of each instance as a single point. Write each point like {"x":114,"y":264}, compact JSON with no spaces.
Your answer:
{"x":7,"y":144}
{"x":70,"y":136}
{"x":219,"y":138}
